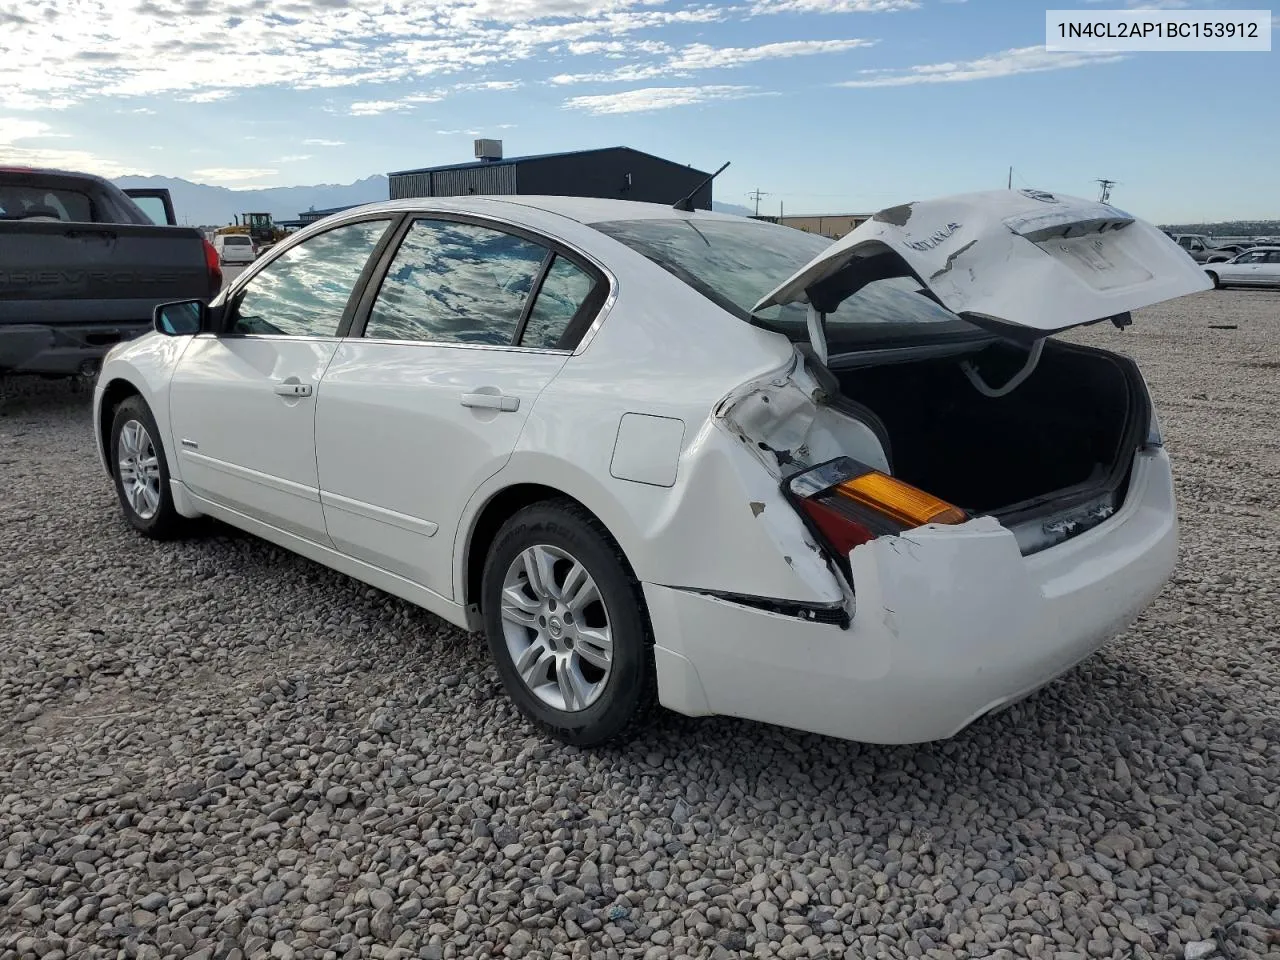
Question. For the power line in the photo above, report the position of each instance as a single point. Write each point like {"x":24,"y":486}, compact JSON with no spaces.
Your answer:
{"x":757,"y":195}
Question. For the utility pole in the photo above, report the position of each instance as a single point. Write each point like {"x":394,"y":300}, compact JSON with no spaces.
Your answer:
{"x":1009,"y":185}
{"x":1104,"y":195}
{"x":757,"y":195}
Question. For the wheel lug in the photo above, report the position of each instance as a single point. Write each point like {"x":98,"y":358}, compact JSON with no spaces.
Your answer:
{"x":551,"y":604}
{"x":542,"y":621}
{"x":568,"y":617}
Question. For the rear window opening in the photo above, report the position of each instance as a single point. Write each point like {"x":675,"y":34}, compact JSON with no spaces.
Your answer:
{"x":734,"y":263}
{"x":236,"y":241}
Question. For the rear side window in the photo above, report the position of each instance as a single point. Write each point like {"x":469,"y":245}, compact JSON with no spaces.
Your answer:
{"x":456,"y":282}
{"x":22,"y":203}
{"x":563,"y":294}
{"x":304,"y":291}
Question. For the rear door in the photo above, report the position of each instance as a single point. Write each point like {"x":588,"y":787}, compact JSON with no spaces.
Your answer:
{"x":242,"y":402}
{"x":426,"y":398}
{"x":1269,"y":269}
{"x":1022,"y":262}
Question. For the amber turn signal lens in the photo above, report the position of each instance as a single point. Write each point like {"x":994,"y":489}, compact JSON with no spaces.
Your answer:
{"x":902,"y":502}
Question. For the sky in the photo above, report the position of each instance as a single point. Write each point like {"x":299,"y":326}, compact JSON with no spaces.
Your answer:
{"x":825,"y":106}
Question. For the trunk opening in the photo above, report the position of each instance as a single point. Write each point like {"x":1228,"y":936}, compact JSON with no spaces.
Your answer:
{"x":1061,"y":443}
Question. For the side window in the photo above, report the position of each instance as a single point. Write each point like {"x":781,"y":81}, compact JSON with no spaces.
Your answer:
{"x":563,"y":292}
{"x":1273,"y":256}
{"x":304,"y":292}
{"x":456,"y":282}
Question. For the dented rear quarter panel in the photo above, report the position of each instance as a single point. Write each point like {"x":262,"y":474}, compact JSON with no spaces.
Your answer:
{"x":723,"y":524}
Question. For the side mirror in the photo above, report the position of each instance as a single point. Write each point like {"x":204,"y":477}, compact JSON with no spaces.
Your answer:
{"x":181,"y":318}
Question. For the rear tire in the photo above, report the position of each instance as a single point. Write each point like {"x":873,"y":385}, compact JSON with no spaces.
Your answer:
{"x":567,"y":626}
{"x":141,"y":472}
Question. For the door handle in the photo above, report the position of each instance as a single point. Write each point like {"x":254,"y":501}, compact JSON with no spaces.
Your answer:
{"x":491,"y":401}
{"x":292,"y":388}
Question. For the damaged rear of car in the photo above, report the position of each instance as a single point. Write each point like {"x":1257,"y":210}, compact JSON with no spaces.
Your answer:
{"x":995,"y":504}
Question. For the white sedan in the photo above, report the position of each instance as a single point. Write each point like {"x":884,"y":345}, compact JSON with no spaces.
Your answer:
{"x":687,"y":458}
{"x":1256,"y":267}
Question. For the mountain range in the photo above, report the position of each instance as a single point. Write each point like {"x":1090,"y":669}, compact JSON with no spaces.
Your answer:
{"x":203,"y":204}
{"x":206,"y":205}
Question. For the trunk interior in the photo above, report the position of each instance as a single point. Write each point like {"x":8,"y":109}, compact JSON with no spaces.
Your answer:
{"x":1072,"y":422}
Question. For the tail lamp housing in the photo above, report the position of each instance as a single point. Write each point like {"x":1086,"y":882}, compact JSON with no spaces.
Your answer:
{"x":848,"y":503}
{"x":213,"y":266}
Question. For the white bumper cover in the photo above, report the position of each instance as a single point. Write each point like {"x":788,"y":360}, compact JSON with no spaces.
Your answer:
{"x":951,"y":623}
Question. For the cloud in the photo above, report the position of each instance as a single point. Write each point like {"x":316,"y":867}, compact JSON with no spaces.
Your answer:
{"x":202,"y":51}
{"x":370,"y":108}
{"x":833,"y":6}
{"x":490,"y":85}
{"x":656,"y":98}
{"x":616,"y":48}
{"x":294,"y":158}
{"x":13,"y":129}
{"x":701,"y":56}
{"x":207,"y":96}
{"x":20,"y":130}
{"x":454,"y":133}
{"x":233,"y":173}
{"x":1007,"y":63}
{"x":321,"y":142}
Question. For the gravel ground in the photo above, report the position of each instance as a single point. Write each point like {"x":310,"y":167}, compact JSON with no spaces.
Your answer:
{"x":216,"y":749}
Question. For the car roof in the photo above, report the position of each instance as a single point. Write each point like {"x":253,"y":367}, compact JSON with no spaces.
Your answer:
{"x":585,"y":210}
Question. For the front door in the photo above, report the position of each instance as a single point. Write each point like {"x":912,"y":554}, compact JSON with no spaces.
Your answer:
{"x":428,"y":401}
{"x":242,"y":402}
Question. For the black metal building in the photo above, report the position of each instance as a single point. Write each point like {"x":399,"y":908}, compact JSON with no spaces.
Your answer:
{"x":611,"y":172}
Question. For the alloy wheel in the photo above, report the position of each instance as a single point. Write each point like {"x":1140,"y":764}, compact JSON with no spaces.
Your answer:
{"x":139,"y":468}
{"x":557,"y":628}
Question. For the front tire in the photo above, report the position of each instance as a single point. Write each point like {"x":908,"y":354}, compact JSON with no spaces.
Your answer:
{"x":567,"y":626}
{"x":141,"y":472}
{"x":1217,"y":284}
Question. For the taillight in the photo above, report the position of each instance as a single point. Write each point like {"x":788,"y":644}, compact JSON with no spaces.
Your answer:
{"x":213,"y":264}
{"x":849,"y":503}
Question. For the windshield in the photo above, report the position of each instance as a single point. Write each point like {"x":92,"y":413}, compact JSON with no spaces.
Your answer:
{"x":736,"y":262}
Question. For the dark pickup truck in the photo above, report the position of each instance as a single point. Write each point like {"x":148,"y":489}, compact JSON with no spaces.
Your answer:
{"x":82,"y":267}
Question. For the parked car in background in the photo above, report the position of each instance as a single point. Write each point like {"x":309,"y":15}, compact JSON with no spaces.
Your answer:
{"x":234,"y":248}
{"x":1204,"y":250}
{"x":1258,"y":267}
{"x":854,"y":488}
{"x":82,"y":268}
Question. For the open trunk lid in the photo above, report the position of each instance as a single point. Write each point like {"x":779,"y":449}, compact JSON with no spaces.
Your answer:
{"x":1023,"y":263}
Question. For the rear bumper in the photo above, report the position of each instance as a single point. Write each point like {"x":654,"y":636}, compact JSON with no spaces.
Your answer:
{"x":951,"y":623}
{"x":60,"y":350}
